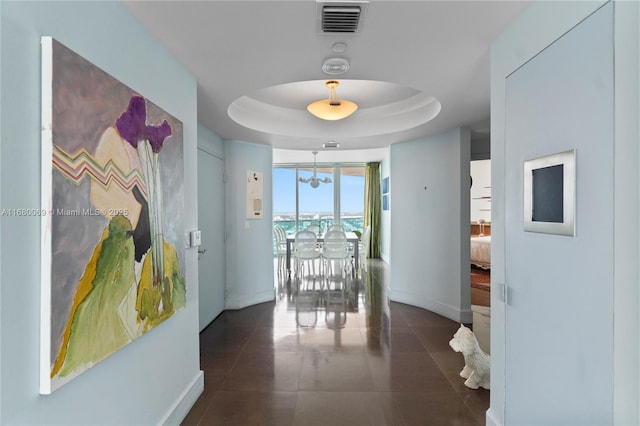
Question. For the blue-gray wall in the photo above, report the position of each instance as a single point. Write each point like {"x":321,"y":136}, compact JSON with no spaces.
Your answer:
{"x":429,"y":221}
{"x":249,"y":241}
{"x":210,"y":141}
{"x":155,"y":378}
{"x":539,"y":26}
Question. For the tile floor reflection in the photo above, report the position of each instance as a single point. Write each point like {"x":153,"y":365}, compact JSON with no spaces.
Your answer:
{"x":345,"y":356}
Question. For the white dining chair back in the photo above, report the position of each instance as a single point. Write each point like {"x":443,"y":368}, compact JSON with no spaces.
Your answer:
{"x":305,"y":251}
{"x":335,"y":245}
{"x":335,"y":252}
{"x":336,"y":227}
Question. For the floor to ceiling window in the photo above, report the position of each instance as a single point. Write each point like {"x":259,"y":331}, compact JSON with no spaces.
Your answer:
{"x":297,"y":205}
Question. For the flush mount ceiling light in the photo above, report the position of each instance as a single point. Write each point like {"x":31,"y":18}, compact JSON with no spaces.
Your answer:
{"x":332,"y":108}
{"x":335,"y":66}
{"x":313,"y":180}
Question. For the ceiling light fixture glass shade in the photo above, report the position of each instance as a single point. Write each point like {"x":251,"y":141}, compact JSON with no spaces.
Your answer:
{"x":335,"y":66}
{"x":332,"y":108}
{"x":313,"y":180}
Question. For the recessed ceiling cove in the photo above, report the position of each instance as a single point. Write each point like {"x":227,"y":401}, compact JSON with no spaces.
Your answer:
{"x":383,"y":108}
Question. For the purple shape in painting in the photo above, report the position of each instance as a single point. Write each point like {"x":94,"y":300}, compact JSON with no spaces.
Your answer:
{"x":132,"y":123}
{"x":132,"y":126}
{"x":157,"y":134}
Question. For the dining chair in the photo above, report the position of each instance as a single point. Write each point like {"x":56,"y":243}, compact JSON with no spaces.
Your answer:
{"x":280,"y":247}
{"x":305,"y":251}
{"x":335,"y":250}
{"x":336,"y":227}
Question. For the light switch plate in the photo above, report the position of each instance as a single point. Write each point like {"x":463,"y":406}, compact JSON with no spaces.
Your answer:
{"x":195,"y":238}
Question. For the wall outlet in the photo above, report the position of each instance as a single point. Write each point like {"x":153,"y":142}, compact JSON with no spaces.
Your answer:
{"x":195,"y":238}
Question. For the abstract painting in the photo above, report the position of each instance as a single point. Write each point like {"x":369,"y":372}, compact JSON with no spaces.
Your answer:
{"x":112,"y":216}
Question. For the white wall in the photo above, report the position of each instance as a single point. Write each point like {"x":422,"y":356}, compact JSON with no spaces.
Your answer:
{"x":429,"y":247}
{"x":157,"y":377}
{"x":249,"y":241}
{"x":540,"y":25}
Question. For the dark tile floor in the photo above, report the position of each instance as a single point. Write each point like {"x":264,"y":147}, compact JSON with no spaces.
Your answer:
{"x":318,"y":357}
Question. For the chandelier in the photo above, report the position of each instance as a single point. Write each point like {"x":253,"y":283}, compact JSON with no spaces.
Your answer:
{"x":332,"y":108}
{"x":313,"y":180}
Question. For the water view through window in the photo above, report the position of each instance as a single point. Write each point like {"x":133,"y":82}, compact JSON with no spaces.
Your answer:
{"x":340,"y":201}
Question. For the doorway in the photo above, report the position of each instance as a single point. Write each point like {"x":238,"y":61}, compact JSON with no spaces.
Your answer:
{"x":211,"y":220}
{"x":480,"y":226}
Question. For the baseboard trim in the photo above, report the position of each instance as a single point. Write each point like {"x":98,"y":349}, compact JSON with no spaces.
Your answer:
{"x":242,"y":301}
{"x":185,"y":401}
{"x":490,"y":419}
{"x":453,"y":313}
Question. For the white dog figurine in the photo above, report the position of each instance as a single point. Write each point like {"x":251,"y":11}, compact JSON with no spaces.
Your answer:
{"x":476,"y":369}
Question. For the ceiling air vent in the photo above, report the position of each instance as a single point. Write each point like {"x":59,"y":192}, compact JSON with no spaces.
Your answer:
{"x":341,"y":17}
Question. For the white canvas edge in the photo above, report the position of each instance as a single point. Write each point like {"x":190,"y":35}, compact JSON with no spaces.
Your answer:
{"x":567,"y":227}
{"x":45,"y":218}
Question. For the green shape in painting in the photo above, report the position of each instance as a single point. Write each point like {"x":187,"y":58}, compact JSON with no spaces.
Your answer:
{"x":97,"y":329}
{"x":156,"y":303}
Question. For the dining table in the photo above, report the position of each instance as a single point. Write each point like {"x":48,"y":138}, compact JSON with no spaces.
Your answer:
{"x":352,"y":238}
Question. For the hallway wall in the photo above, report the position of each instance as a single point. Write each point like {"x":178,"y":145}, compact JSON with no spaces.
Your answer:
{"x":540,"y":25}
{"x":249,"y":240}
{"x":429,"y":236}
{"x":156,"y":378}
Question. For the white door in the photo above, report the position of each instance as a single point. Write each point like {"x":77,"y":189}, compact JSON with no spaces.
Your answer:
{"x":559,"y":313}
{"x":211,"y":220}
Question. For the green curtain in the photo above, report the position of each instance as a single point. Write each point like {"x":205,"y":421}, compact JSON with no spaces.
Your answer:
{"x":372,"y":206}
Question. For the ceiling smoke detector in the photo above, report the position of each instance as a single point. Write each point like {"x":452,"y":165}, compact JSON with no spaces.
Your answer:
{"x":339,"y":47}
{"x":335,"y":66}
